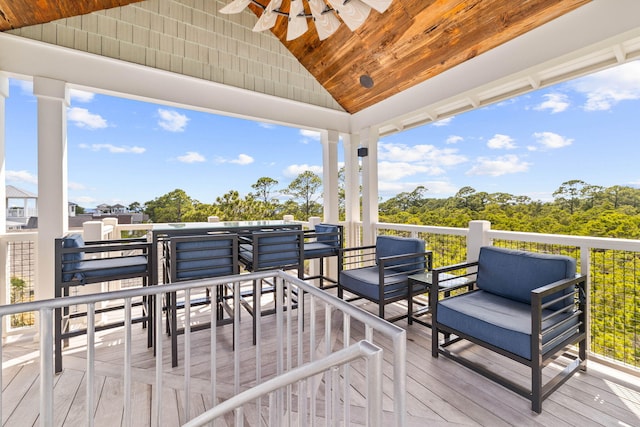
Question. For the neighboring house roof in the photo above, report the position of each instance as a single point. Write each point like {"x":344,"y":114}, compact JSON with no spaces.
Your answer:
{"x":18,"y":193}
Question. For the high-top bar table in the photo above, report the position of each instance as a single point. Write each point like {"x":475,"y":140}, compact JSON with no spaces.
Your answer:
{"x":162,"y":232}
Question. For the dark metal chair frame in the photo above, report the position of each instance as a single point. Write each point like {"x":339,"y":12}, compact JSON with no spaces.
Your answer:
{"x":62,"y":286}
{"x":365,"y":256}
{"x":316,"y":248}
{"x":174,"y":268}
{"x":541,"y":354}
{"x":262,"y":251}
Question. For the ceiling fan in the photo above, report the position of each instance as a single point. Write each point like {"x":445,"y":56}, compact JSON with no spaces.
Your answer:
{"x":324,"y":13}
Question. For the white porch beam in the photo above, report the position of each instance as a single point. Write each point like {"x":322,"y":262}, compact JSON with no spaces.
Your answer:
{"x":369,"y":140}
{"x":53,"y":101}
{"x":329,"y":140}
{"x":96,"y":73}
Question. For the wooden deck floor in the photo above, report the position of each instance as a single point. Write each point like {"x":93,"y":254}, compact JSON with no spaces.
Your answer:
{"x":439,"y":391}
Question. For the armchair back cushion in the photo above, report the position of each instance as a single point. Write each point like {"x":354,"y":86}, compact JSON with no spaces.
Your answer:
{"x":72,"y":261}
{"x":391,"y":245}
{"x":329,"y":239}
{"x":514,"y":274}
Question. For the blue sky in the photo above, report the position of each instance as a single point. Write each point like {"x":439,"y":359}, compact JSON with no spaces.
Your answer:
{"x":121,"y":151}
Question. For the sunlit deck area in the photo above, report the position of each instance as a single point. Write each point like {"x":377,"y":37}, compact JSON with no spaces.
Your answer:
{"x":439,"y":391}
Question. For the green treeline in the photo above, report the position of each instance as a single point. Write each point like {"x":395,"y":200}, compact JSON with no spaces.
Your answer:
{"x":577,"y":208}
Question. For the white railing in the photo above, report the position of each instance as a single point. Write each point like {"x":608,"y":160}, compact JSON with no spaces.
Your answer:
{"x":305,"y":336}
{"x":361,"y":350}
{"x":608,"y":264}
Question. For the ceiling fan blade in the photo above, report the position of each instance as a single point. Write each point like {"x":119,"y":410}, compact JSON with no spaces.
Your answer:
{"x":268,"y":19}
{"x":353,"y":13}
{"x":297,"y":25}
{"x":326,"y":23}
{"x":236,"y":6}
{"x":379,"y":5}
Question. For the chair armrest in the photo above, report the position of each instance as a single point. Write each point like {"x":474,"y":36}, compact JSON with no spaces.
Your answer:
{"x":115,"y":241}
{"x":569,"y":320}
{"x":428,"y":257}
{"x":109,"y":246}
{"x":560,"y":285}
{"x":357,"y":248}
{"x":454,"y":267}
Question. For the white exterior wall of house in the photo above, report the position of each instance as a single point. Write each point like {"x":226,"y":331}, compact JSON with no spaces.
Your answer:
{"x":186,"y":55}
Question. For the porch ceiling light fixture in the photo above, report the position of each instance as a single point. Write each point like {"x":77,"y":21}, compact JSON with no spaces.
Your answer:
{"x":323,"y":12}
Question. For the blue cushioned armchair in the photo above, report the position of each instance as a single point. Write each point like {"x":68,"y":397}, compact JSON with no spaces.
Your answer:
{"x":379,"y":273}
{"x":526,"y":306}
{"x":79,"y":263}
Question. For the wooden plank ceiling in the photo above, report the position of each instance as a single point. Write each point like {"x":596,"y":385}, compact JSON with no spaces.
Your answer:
{"x":411,"y":42}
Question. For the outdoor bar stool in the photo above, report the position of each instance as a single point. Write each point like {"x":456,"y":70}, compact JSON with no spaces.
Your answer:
{"x":324,"y":241}
{"x":79,"y":263}
{"x":269,"y":250}
{"x":198,"y":257}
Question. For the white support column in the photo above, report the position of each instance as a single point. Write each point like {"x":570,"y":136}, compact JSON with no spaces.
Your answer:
{"x":329,"y":140}
{"x":4,"y":254}
{"x":53,"y":210}
{"x":351,"y":189}
{"x":369,"y":140}
{"x":477,"y":238}
{"x":4,"y":93}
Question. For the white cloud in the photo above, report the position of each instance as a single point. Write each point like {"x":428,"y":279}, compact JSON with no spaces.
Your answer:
{"x":498,"y":166}
{"x":390,"y":189}
{"x":552,"y":140}
{"x":242,"y":159}
{"x":555,"y":102}
{"x":443,"y":122}
{"x":422,"y":153}
{"x":21,"y":176}
{"x":500,"y":141}
{"x":76,"y":186}
{"x":82,"y":118}
{"x":293,"y":171}
{"x":310,"y":134}
{"x":394,"y":171}
{"x":113,"y":148}
{"x":172,"y":121}
{"x":26,"y":86}
{"x":81,"y":95}
{"x":607,"y":88}
{"x":454,"y":139}
{"x":266,"y":125}
{"x":191,"y":157}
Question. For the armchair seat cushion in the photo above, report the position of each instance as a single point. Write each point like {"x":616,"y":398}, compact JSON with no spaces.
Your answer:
{"x":364,"y":282}
{"x":496,"y":320}
{"x":111,"y":267}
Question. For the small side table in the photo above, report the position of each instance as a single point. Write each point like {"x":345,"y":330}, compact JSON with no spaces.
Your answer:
{"x":423,"y":281}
